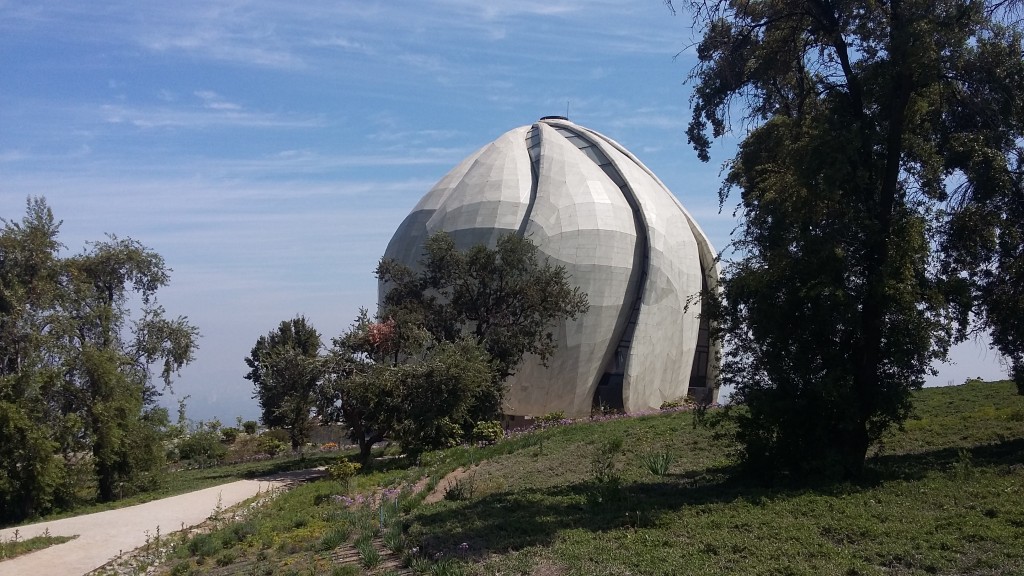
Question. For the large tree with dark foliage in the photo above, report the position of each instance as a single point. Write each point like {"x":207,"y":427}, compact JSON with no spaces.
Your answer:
{"x":878,"y":173}
{"x":284,"y":366}
{"x":78,"y":337}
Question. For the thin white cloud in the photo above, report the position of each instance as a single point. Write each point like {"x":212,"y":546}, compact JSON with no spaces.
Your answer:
{"x":214,"y":101}
{"x":212,"y":114}
{"x":343,"y":43}
{"x":499,"y":10}
{"x":212,"y":45}
{"x":424,"y":62}
{"x":414,"y":137}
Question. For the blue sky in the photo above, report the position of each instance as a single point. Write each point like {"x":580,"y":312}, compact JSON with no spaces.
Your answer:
{"x":269,"y":150}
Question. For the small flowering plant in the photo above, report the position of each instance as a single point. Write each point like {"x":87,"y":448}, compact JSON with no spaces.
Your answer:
{"x":343,"y":470}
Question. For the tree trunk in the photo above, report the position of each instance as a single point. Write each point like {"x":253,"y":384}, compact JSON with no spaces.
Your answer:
{"x":881,"y":211}
{"x":365,"y":448}
{"x":104,"y":479}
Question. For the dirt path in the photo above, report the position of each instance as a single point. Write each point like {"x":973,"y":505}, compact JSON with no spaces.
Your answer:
{"x":104,"y":535}
{"x":439,"y":491}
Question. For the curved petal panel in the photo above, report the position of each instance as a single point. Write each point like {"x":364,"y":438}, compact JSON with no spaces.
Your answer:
{"x":582,"y":222}
{"x":665,"y":340}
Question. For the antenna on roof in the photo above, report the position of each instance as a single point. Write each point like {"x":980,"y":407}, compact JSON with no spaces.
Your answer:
{"x":566,"y":109}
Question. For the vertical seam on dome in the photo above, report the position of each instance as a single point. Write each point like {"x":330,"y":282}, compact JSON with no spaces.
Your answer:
{"x":533,"y":148}
{"x":598,"y":157}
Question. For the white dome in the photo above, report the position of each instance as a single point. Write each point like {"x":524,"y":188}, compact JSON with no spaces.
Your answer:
{"x":625,"y":240}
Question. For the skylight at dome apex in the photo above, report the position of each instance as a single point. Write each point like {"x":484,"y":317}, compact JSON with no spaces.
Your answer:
{"x":625,"y":240}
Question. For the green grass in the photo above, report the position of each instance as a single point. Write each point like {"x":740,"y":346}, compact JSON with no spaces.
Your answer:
{"x":13,"y":548}
{"x":945,"y":495}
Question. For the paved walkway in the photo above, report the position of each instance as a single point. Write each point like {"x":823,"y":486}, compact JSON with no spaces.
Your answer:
{"x":104,"y":535}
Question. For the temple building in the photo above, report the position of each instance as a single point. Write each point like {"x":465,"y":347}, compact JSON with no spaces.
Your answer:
{"x":591,"y":206}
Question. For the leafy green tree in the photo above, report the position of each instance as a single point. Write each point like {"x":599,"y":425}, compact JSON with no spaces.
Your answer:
{"x":75,"y":358}
{"x":31,"y":473}
{"x":985,"y":248}
{"x":869,"y":124}
{"x":505,"y":299}
{"x":284,"y":366}
{"x":424,"y":401}
{"x":110,"y":352}
{"x":355,"y":385}
{"x":434,"y":361}
{"x":438,"y":395}
{"x":30,"y":469}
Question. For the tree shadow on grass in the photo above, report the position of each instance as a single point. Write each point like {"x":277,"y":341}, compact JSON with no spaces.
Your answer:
{"x":916,"y":465}
{"x":307,"y":462}
{"x":507,"y":521}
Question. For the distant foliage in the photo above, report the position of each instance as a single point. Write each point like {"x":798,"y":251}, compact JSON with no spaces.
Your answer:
{"x":271,"y":446}
{"x":203,"y":447}
{"x":229,"y":435}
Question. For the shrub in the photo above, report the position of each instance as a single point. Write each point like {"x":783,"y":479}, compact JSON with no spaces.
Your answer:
{"x":227,"y":558}
{"x":550,"y":418}
{"x":677,"y":403}
{"x":335,"y":536}
{"x":343,"y":470}
{"x":488,"y":432}
{"x":394,"y":541}
{"x":449,"y":433}
{"x":203,"y":545}
{"x":270,"y":446}
{"x":249,"y":426}
{"x":242,"y":530}
{"x":279,"y":434}
{"x":603,"y":463}
{"x":228,"y":435}
{"x":203,"y":446}
{"x":607,"y":481}
{"x":460,"y":489}
{"x":369,"y":557}
{"x":657,"y":462}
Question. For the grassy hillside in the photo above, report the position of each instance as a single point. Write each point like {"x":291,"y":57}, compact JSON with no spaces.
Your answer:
{"x":656,"y":495}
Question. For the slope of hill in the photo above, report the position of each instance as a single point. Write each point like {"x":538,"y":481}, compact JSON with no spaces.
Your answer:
{"x":656,"y":495}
